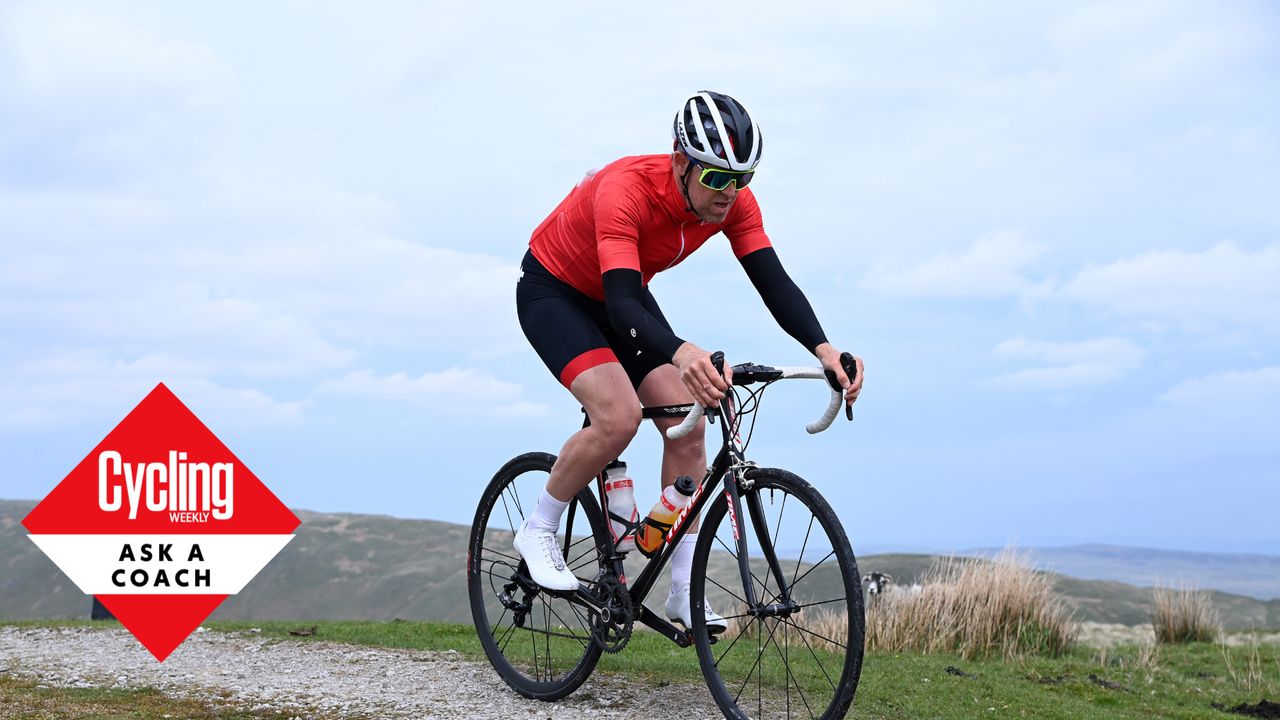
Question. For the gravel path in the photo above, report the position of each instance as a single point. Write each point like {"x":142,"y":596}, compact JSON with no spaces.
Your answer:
{"x":322,"y":679}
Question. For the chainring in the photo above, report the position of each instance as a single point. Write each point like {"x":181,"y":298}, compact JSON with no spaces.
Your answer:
{"x":611,"y":629}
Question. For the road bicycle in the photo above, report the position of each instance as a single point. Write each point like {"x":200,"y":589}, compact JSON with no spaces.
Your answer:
{"x":771,"y":555}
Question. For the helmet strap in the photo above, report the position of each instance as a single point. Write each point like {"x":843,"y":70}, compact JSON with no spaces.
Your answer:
{"x":684,"y":187}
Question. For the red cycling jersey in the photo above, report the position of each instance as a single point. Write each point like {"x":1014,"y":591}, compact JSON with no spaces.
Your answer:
{"x":631,"y":214}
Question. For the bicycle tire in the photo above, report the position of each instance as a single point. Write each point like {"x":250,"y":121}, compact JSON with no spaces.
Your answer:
{"x":555,"y":659}
{"x":831,"y":623}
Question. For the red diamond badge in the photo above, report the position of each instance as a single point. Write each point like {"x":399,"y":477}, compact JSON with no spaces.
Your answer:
{"x":161,"y":522}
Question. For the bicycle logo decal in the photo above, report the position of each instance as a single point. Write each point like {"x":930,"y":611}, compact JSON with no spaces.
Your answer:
{"x":733,"y":514}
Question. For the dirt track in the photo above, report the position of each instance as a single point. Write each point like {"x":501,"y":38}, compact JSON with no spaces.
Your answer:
{"x":321,"y":679}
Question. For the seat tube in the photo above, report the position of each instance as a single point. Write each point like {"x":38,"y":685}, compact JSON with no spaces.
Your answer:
{"x":568,"y":527}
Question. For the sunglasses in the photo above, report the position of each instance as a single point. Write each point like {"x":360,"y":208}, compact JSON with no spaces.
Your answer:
{"x":717,"y":179}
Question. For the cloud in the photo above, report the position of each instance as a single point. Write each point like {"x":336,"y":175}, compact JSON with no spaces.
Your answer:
{"x":460,"y":391}
{"x":1222,"y":286}
{"x":93,"y":100}
{"x":59,"y":389}
{"x":1230,"y":418}
{"x":59,"y":50}
{"x":1247,"y":394}
{"x":1068,"y":364}
{"x":993,"y":266}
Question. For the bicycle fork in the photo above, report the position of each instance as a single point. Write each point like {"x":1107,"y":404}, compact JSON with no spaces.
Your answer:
{"x":737,"y":489}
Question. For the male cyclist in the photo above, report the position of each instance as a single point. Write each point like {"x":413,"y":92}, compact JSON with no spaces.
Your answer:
{"x":584,"y":304}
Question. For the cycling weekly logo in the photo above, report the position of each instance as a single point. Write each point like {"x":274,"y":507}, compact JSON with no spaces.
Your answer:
{"x":161,"y":522}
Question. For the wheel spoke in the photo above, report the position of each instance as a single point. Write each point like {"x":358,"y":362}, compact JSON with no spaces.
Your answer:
{"x":589,"y":553}
{"x":491,"y":551}
{"x":791,"y":676}
{"x":546,"y":619}
{"x":747,"y":679}
{"x":756,"y":664}
{"x":816,"y":660}
{"x":806,"y":572}
{"x":506,"y":638}
{"x":563,"y":624}
{"x":734,"y":554}
{"x":533,"y":638}
{"x":822,"y":602}
{"x":736,"y":638}
{"x":727,"y":590}
{"x":820,"y":636}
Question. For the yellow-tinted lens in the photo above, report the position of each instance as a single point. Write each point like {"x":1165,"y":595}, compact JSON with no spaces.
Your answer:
{"x":717,"y":179}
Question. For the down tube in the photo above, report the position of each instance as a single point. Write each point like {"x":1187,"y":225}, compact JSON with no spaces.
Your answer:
{"x":649,"y":575}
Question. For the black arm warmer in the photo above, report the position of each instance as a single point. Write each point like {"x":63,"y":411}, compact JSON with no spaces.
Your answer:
{"x":789,"y":306}
{"x":623,"y":301}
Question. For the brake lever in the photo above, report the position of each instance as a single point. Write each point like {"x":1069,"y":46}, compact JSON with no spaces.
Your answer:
{"x":851,"y":369}
{"x":717,"y":360}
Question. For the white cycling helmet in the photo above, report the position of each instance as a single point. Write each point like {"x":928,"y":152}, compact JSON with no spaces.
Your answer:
{"x":715,"y":130}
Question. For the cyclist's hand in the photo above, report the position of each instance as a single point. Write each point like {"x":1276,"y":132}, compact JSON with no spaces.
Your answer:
{"x":830,"y":359}
{"x":699,"y":376}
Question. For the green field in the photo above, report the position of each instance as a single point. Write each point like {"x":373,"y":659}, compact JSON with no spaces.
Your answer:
{"x":1128,"y":682}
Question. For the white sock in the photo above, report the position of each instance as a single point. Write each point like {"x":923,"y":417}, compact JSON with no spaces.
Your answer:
{"x":682,"y":562}
{"x":546,"y":516}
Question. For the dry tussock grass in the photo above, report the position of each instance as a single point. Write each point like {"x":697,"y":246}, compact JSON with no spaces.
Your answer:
{"x":1183,"y":616}
{"x":974,"y":609}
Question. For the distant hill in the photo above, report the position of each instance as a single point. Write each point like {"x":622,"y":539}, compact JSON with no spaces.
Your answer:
{"x":343,"y":566}
{"x":1255,"y":576}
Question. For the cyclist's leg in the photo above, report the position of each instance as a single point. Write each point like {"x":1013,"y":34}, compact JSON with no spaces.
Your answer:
{"x":564,"y":328}
{"x":658,"y":383}
{"x":614,"y":409}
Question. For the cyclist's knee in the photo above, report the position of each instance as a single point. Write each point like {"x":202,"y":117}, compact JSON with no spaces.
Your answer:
{"x":617,"y":425}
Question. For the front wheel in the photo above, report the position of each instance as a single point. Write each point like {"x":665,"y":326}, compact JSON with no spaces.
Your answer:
{"x":539,"y":642}
{"x":797,"y":652}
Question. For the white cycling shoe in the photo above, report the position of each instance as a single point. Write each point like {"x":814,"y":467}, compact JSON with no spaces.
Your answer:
{"x":678,"y":609}
{"x":542,"y":554}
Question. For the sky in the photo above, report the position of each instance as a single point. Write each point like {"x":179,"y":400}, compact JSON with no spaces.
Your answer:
{"x":1052,"y":230}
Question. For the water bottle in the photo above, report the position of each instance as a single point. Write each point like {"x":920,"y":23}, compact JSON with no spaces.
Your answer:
{"x":663,"y":515}
{"x":620,"y":502}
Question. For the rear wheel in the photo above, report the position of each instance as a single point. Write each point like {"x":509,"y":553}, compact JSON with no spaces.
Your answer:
{"x":775,"y":660}
{"x":540,"y":643}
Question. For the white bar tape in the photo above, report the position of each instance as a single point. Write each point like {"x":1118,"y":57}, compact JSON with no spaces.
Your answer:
{"x":686,"y":427}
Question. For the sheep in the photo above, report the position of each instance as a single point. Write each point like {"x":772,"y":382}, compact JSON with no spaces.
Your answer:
{"x":877,"y":582}
{"x":882,"y":585}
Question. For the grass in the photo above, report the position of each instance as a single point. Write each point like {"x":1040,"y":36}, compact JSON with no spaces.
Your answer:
{"x":1182,"y":616}
{"x":1130,"y":682}
{"x":24,"y":699}
{"x":1171,"y":682}
{"x":974,"y":609}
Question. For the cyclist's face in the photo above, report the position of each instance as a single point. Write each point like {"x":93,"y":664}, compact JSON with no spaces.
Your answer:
{"x":712,"y":206}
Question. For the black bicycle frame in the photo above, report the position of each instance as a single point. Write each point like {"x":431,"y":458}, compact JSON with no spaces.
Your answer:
{"x":728,"y":462}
